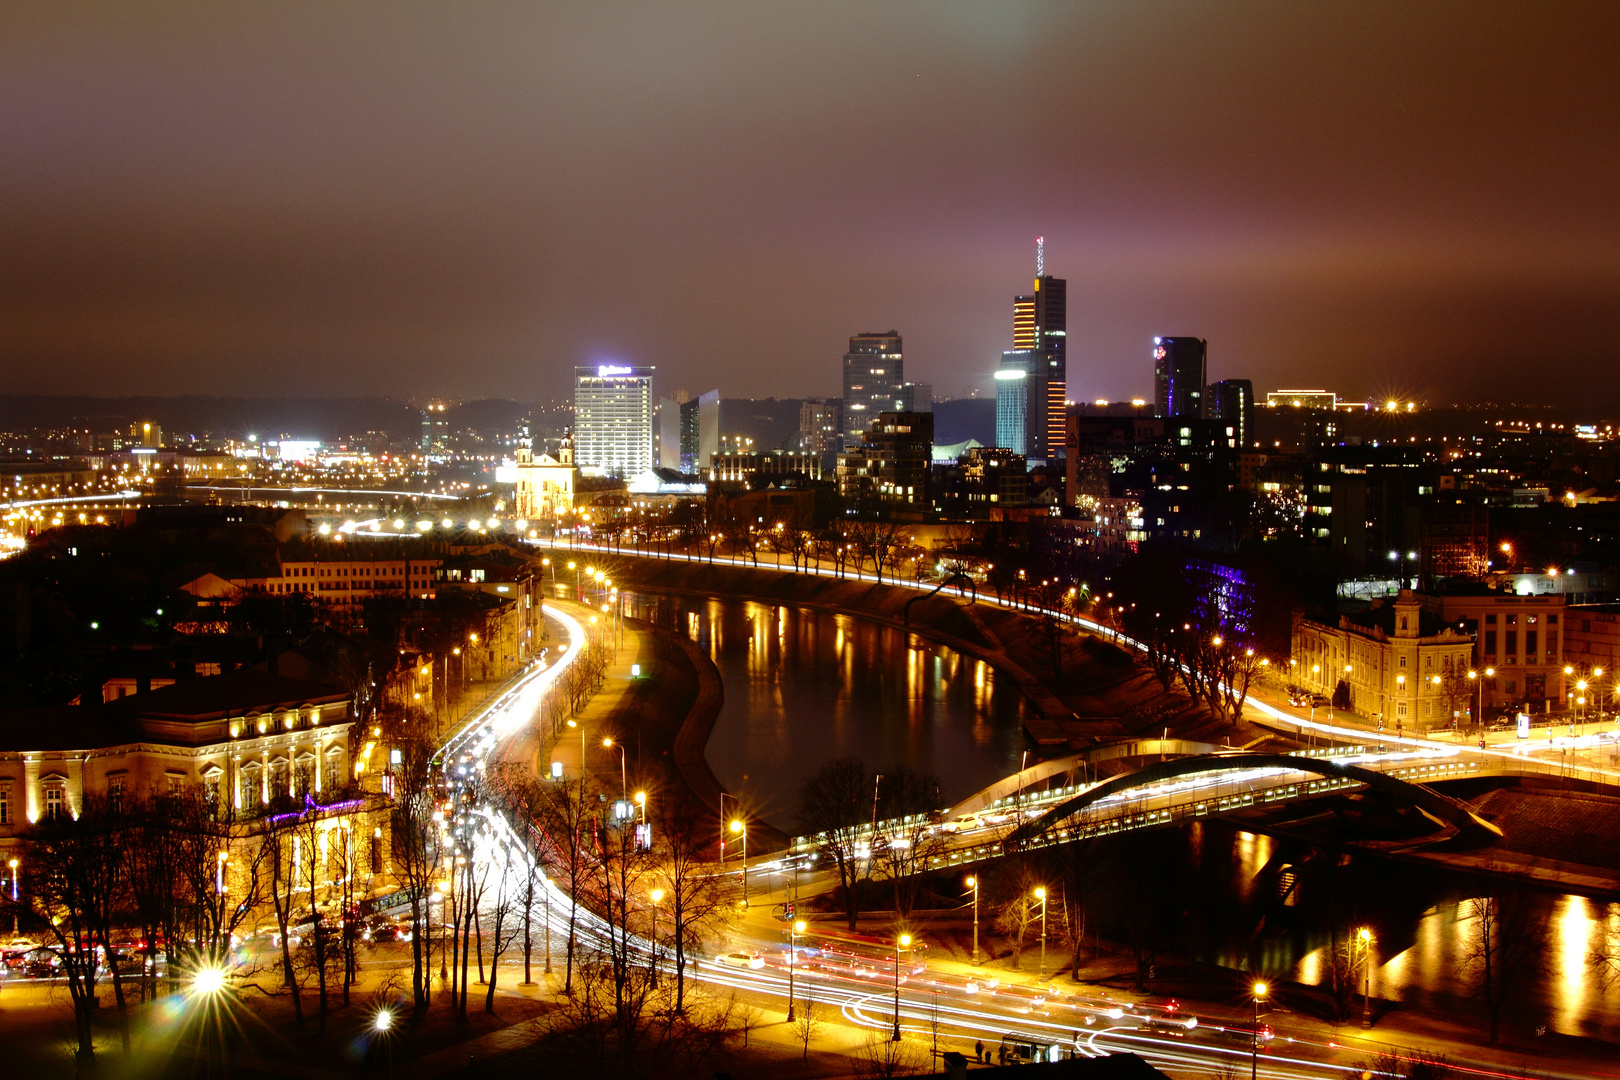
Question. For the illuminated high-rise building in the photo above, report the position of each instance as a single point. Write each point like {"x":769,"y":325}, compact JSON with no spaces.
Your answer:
{"x":874,"y":373}
{"x":1021,"y":398}
{"x":1232,"y":401}
{"x":613,"y":418}
{"x":1179,"y":370}
{"x":1041,"y":328}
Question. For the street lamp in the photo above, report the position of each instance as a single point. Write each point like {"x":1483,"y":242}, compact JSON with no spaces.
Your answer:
{"x":1366,"y":939}
{"x":794,"y":930}
{"x":577,"y":724}
{"x":624,"y":775}
{"x":219,"y":873}
{"x":740,"y":828}
{"x":1260,"y":989}
{"x":657,"y":897}
{"x":973,"y":883}
{"x":1040,"y":894}
{"x":1479,"y":688}
{"x":902,"y":942}
{"x":14,"y":912}
{"x":1400,"y":689}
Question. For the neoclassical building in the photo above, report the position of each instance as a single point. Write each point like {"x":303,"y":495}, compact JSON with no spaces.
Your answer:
{"x":1395,"y":662}
{"x":244,"y":737}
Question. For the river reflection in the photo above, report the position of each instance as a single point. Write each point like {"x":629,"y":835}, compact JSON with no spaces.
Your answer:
{"x":804,"y":686}
{"x":1425,"y":926}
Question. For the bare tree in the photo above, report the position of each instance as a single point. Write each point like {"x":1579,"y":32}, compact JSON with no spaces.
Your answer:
{"x":1503,"y":949}
{"x":567,"y":820}
{"x":415,"y":836}
{"x":280,"y":846}
{"x":75,"y":885}
{"x":808,"y":1023}
{"x":878,"y":1056}
{"x":509,"y":893}
{"x":907,"y":801}
{"x":834,"y":808}
{"x":695,"y":897}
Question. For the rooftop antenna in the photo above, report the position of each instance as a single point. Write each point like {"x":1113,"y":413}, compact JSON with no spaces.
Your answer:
{"x":1040,"y":256}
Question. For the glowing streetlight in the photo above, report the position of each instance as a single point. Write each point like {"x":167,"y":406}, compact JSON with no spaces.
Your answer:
{"x":973,"y":883}
{"x":1040,"y":894}
{"x":208,"y":981}
{"x":1366,"y":938}
{"x":1260,"y":990}
{"x":794,"y":931}
{"x":902,"y":942}
{"x":738,"y":828}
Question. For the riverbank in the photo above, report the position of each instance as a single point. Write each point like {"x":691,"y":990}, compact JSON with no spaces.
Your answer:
{"x":1083,"y":691}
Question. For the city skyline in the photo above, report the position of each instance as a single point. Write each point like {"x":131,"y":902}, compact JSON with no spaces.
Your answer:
{"x":205,"y":202}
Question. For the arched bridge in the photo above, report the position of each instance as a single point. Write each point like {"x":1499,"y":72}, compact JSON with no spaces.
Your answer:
{"x":1442,"y":809}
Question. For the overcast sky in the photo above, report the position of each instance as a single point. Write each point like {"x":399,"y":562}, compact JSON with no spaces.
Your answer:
{"x":468,"y":199}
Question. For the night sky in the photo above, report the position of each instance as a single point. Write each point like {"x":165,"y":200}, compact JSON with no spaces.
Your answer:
{"x":468,"y":199}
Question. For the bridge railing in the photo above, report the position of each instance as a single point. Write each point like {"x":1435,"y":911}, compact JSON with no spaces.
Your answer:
{"x":1223,"y":793}
{"x":1420,"y":770}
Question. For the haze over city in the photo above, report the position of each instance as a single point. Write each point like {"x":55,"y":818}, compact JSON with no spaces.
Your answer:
{"x":1383,"y":198}
{"x":805,"y":541}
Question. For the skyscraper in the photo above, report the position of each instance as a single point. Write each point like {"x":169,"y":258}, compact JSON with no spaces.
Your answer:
{"x":1178,"y":376}
{"x":1021,"y":402}
{"x":874,"y":371}
{"x":613,"y":418}
{"x":1041,"y":327}
{"x":700,"y":431}
{"x":1232,"y":401}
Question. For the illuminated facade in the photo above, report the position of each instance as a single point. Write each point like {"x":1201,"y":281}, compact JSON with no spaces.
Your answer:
{"x":1394,"y":662}
{"x":545,"y":485}
{"x":1021,"y":402}
{"x":613,"y":419}
{"x":874,"y":377}
{"x":245,"y":739}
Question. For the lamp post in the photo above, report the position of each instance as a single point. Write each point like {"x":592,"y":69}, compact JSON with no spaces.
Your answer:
{"x":740,"y":828}
{"x":902,"y":942}
{"x":1400,"y":691}
{"x":973,"y":883}
{"x":1260,"y":990}
{"x":1366,"y":939}
{"x":1040,"y":894}
{"x":577,"y":724}
{"x":657,"y":897}
{"x":14,"y":915}
{"x":794,"y":930}
{"x":624,"y":775}
{"x":1479,"y":693}
{"x":383,"y":1026}
{"x":545,"y":896}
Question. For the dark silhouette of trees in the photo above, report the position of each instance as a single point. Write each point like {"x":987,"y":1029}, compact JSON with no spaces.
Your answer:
{"x":907,"y":801}
{"x":835,"y":808}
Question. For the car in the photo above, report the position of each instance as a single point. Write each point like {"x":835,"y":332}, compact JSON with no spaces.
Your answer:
{"x":16,"y":947}
{"x":741,"y":960}
{"x":390,"y":933}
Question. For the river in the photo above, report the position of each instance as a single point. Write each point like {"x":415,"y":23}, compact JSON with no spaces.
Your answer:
{"x":805,"y":686}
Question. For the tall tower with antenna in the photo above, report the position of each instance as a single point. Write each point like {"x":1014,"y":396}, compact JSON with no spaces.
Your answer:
{"x":1040,"y":327}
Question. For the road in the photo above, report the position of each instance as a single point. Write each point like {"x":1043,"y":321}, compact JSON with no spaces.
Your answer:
{"x":940,"y":1003}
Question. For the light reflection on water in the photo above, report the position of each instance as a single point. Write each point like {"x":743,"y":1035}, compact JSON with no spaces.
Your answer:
{"x":803,"y":687}
{"x":1431,"y":968}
